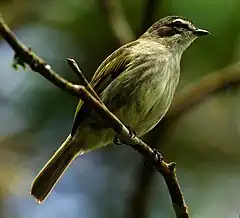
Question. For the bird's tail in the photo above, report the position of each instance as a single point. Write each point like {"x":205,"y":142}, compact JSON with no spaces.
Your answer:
{"x":52,"y":171}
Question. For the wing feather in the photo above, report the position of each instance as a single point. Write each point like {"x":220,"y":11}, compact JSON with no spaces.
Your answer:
{"x":109,"y":70}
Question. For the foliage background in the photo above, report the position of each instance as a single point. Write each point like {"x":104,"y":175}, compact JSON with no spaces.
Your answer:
{"x":35,"y":117}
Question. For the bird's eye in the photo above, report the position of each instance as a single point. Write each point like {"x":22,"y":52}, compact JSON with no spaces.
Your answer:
{"x":178,"y":24}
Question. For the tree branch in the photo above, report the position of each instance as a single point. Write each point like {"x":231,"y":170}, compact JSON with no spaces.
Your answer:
{"x":25,"y":55}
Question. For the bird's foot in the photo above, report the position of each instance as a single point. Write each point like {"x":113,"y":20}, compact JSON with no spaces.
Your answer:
{"x":157,"y":155}
{"x":118,"y":141}
{"x":132,"y":133}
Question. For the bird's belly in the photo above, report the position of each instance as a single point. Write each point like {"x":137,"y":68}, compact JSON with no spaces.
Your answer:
{"x":154,"y":114}
{"x":146,"y":107}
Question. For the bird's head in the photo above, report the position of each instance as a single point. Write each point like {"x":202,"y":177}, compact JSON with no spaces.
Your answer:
{"x":175,"y":32}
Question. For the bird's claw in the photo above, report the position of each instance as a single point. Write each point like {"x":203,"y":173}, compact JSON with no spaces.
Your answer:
{"x":132,"y":133}
{"x":157,"y":155}
{"x":118,"y":141}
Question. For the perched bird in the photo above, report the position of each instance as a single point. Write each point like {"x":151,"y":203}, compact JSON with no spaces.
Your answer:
{"x":137,"y":83}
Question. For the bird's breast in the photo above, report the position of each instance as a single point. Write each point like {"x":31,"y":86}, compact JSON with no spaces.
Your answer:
{"x":142,"y":96}
{"x":155,"y":97}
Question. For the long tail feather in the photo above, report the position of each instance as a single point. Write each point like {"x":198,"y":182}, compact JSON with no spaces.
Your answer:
{"x":52,"y":171}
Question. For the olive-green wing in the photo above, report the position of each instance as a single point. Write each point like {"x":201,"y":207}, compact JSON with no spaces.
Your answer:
{"x":110,"y":69}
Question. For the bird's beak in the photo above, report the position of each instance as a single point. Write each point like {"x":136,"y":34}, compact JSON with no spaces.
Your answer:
{"x":201,"y":32}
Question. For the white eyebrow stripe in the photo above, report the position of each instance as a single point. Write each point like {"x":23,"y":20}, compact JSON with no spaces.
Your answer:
{"x":190,"y":25}
{"x":182,"y":21}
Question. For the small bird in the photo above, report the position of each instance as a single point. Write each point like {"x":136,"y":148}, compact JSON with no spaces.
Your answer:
{"x":137,"y":83}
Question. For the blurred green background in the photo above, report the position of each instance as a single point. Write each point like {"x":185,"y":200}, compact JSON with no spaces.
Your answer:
{"x":35,"y":116}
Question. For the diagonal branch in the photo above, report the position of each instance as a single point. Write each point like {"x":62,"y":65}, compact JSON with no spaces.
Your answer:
{"x":168,"y":171}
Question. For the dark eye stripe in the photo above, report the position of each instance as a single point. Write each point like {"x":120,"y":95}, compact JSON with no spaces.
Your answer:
{"x":166,"y":31}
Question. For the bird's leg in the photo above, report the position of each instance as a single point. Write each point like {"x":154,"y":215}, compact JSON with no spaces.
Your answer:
{"x":118,"y":141}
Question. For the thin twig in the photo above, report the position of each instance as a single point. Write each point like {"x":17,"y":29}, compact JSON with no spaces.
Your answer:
{"x":38,"y":65}
{"x":74,"y":66}
{"x":76,"y":69}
